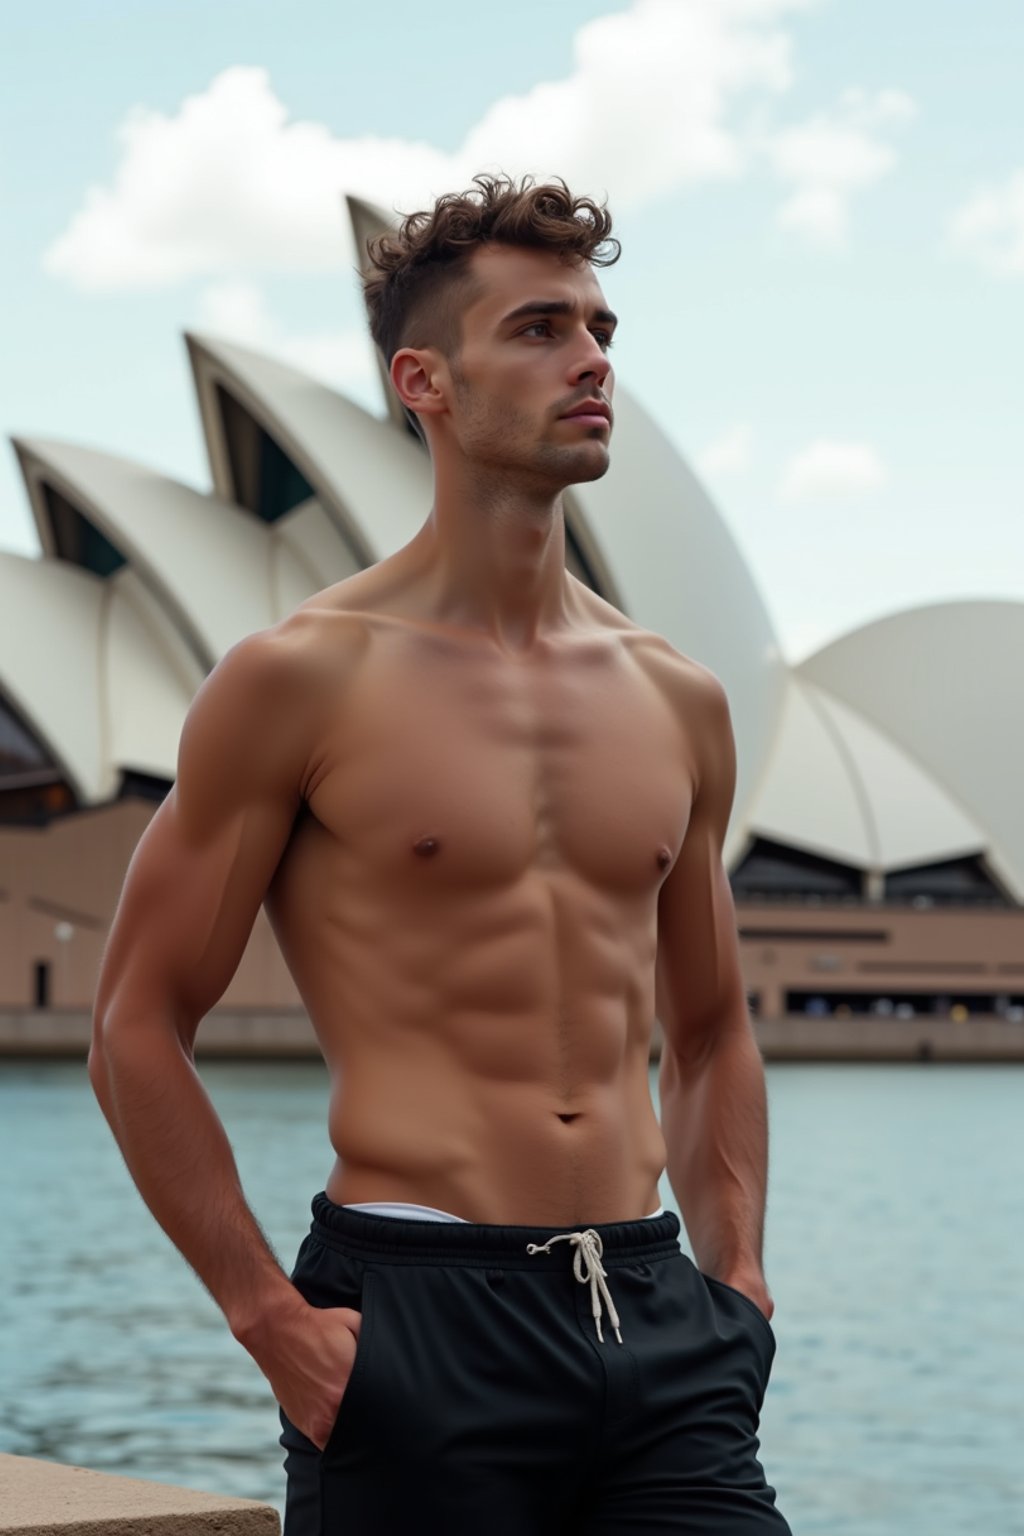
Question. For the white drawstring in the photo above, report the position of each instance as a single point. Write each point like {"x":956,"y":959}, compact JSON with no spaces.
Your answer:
{"x":589,"y":1249}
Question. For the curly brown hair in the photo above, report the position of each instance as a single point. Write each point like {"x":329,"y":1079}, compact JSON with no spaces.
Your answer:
{"x":417,"y":280}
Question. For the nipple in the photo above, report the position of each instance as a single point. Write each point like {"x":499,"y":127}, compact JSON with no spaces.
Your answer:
{"x":425,"y":847}
{"x":664,"y":857}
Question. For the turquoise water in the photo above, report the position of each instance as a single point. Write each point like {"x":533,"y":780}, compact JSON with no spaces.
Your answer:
{"x":894,"y":1253}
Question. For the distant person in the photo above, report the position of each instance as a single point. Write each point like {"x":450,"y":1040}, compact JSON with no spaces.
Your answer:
{"x":485,"y":813}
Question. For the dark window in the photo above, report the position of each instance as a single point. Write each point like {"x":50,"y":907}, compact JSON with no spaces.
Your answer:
{"x":816,"y":935}
{"x":20,"y":753}
{"x":32,"y":788}
{"x":77,"y":539}
{"x":953,"y":882}
{"x":895,"y":1004}
{"x":143,"y":786}
{"x":773,"y":871}
{"x":42,"y":983}
{"x":264,"y":479}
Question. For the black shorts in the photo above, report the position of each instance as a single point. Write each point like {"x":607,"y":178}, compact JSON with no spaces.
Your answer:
{"x":483,"y":1399}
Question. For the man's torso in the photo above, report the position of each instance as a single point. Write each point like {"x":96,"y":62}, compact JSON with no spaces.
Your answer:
{"x":468,"y":905}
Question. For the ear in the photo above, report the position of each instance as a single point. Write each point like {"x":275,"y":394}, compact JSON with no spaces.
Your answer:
{"x":417,"y":375}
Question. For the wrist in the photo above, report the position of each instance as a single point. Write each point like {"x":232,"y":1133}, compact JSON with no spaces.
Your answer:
{"x":725,"y":1262}
{"x":749,"y":1278}
{"x":259,"y":1318}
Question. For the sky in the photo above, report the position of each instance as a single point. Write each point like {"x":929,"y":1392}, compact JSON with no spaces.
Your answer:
{"x":820,"y":204}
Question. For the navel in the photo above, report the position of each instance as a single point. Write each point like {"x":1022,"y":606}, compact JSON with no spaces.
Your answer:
{"x":426,"y":847}
{"x":664,"y":858}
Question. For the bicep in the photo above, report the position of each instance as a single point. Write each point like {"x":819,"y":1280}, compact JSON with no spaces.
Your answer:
{"x":698,"y":977}
{"x":201,"y":868}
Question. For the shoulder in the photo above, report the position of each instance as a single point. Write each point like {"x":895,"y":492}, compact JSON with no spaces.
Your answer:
{"x":688,"y":684}
{"x":312,"y":642}
{"x":256,"y":717}
{"x":698,"y":700}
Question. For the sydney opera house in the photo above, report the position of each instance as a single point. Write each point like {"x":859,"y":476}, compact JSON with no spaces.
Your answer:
{"x":876,"y":848}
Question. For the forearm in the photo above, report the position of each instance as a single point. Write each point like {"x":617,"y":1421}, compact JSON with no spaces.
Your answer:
{"x":178,"y":1154}
{"x":714,"y":1119}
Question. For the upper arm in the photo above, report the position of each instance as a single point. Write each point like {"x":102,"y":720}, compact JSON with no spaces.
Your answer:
{"x":699,"y":982}
{"x":202,"y":866}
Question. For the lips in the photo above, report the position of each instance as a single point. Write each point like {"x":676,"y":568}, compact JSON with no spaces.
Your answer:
{"x":590,"y":411}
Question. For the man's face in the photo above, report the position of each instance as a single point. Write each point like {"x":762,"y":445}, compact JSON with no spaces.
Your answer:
{"x":535,"y":339}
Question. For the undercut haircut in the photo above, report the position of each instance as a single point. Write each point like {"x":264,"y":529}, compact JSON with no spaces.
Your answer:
{"x":417,"y":281}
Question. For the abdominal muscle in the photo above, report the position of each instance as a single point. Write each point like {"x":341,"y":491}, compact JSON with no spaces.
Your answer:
{"x":430,"y":1133}
{"x":468,"y":907}
{"x":501,"y":1080}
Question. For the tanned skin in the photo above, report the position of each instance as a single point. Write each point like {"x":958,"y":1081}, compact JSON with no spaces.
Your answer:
{"x":485,"y":814}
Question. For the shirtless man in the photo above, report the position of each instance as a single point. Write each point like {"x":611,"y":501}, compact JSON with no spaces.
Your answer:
{"x":485,"y":814}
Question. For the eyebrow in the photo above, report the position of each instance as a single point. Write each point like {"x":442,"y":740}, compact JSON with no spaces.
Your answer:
{"x":555,"y":307}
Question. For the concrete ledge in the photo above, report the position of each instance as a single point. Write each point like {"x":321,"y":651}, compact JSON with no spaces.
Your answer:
{"x":240,"y":1034}
{"x":799,"y":1038}
{"x":226,"y":1032}
{"x":46,"y":1496}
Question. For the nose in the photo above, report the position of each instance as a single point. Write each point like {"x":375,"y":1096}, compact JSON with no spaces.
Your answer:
{"x":590,"y":363}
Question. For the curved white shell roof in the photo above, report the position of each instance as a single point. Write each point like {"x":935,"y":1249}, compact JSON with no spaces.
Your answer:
{"x":208,"y":563}
{"x":373,"y":481}
{"x":106,"y":681}
{"x":945,"y":683}
{"x":891,"y":747}
{"x":835,"y":785}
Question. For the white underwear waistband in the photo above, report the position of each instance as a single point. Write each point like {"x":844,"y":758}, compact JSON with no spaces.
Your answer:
{"x":402,"y":1210}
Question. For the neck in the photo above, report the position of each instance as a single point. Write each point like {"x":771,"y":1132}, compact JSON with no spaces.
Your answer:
{"x":491,"y":555}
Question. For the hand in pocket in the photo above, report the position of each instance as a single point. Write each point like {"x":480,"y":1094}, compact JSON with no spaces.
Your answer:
{"x":308,"y":1360}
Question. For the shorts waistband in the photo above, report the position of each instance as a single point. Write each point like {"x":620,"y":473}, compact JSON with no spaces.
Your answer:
{"x":394,"y":1240}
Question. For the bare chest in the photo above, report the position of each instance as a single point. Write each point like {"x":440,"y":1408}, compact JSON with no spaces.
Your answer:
{"x":465,"y":771}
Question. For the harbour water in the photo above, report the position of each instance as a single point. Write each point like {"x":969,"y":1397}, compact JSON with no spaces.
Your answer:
{"x":894,"y":1253}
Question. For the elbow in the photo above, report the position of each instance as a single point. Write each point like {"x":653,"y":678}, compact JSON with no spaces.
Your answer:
{"x":103,"y":1057}
{"x":127,"y":1036}
{"x":692,"y":1044}
{"x":687,"y":1048}
{"x":96,"y":1062}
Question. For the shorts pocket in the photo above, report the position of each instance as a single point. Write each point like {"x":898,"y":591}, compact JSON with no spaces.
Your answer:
{"x":750,"y":1305}
{"x":354,"y":1387}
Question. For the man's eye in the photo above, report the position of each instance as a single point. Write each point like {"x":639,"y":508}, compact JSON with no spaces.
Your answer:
{"x":603,"y":337}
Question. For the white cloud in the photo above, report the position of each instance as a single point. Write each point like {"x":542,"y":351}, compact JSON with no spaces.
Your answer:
{"x":827,"y":470}
{"x":237,"y":311}
{"x":831,"y":156}
{"x":226,"y":184}
{"x":229,"y":185}
{"x":989,"y":227}
{"x":646,"y":109}
{"x":727,"y":454}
